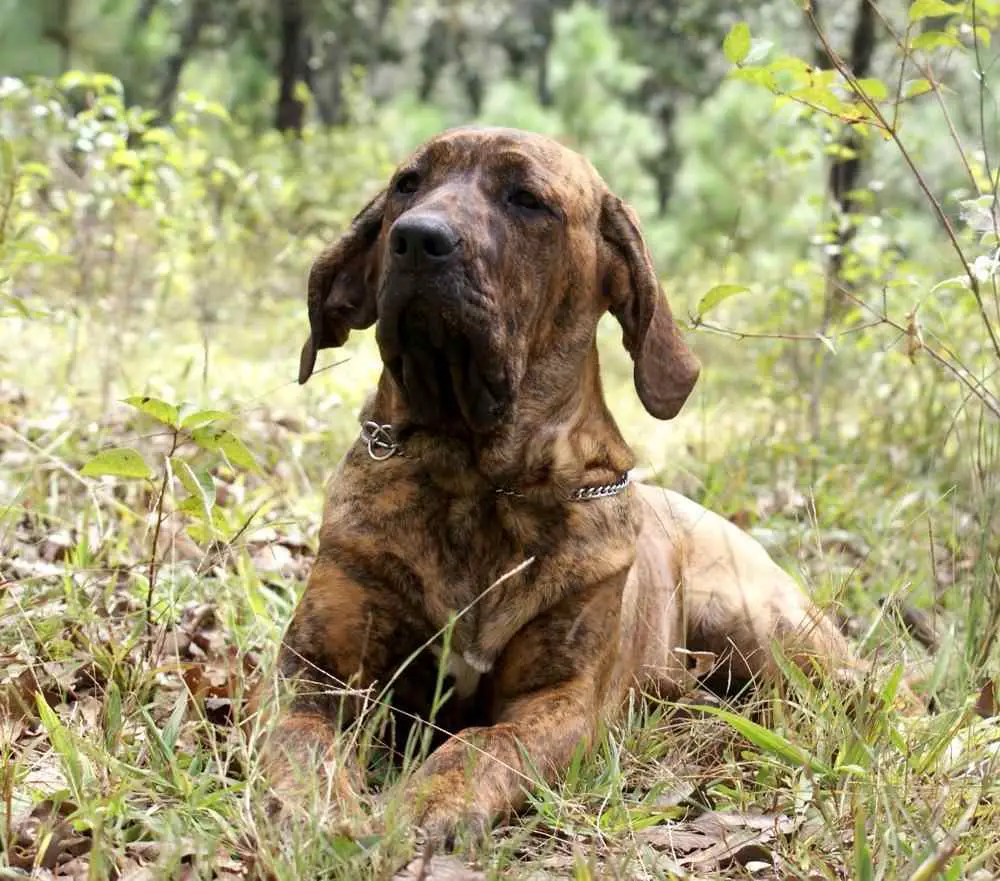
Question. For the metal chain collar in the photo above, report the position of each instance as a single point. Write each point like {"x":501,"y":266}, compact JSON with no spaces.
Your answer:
{"x":382,"y":445}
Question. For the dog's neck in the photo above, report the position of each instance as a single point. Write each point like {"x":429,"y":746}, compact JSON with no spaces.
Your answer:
{"x":559,"y":435}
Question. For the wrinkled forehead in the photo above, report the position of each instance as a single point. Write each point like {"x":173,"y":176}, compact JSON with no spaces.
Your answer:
{"x":510,"y":155}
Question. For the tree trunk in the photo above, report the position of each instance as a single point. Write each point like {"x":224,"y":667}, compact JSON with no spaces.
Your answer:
{"x":198,"y":17}
{"x":472,"y":82}
{"x":847,"y":165}
{"x":434,"y":55}
{"x":545,"y":33}
{"x":842,"y":179}
{"x":60,"y":31}
{"x":327,"y":83}
{"x":292,"y":67}
{"x":143,"y":14}
{"x":378,"y":47}
{"x":663,"y":166}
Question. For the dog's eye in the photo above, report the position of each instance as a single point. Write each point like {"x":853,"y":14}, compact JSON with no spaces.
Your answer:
{"x":526,"y":199}
{"x":408,"y":183}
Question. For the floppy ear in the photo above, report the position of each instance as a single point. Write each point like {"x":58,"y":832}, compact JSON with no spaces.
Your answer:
{"x":342,"y":285}
{"x":665,"y":368}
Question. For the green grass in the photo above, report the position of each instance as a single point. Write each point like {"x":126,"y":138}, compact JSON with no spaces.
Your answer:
{"x":132,"y":760}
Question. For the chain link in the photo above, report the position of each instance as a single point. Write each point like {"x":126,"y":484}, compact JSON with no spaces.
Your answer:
{"x":382,"y":445}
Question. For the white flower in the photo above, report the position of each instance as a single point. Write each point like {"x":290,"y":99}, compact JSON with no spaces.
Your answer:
{"x":10,"y":85}
{"x":985,"y":267}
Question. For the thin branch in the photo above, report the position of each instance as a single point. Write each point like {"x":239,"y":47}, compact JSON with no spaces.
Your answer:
{"x":921,"y":181}
{"x":151,"y":573}
{"x":981,"y":78}
{"x":983,"y":89}
{"x":815,"y":337}
{"x":988,"y":399}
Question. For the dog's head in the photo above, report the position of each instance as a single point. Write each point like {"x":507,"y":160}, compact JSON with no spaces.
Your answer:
{"x":490,"y":248}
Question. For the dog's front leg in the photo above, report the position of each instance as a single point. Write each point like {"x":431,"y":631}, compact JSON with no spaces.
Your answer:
{"x":550,"y":683}
{"x":342,"y":639}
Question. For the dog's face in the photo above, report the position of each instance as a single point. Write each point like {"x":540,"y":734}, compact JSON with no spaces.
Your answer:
{"x":489,"y":249}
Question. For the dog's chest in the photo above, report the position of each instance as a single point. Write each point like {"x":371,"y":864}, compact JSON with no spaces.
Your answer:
{"x":476,"y":567}
{"x":498,"y":565}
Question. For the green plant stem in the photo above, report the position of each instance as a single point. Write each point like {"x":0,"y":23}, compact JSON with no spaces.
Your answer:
{"x":151,"y":575}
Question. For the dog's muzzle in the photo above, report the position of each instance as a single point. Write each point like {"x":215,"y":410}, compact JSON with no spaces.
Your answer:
{"x":438,"y":336}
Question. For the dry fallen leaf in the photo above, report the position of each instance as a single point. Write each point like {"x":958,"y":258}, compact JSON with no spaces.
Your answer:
{"x":716,"y":840}
{"x":46,"y":839}
{"x":438,"y":868}
{"x":986,"y":702}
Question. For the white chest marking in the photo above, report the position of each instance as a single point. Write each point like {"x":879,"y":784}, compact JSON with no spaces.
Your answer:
{"x":465,"y":669}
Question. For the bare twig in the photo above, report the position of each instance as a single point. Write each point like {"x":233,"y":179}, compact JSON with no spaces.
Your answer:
{"x":814,"y":337}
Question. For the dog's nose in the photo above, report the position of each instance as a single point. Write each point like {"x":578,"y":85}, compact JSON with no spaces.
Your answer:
{"x":422,"y":240}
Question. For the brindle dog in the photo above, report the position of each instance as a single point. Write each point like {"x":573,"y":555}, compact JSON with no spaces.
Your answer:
{"x":485,"y":266}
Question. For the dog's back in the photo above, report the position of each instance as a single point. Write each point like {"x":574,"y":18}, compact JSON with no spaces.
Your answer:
{"x":701,"y":587}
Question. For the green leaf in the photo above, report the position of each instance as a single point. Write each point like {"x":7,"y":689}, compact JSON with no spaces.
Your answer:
{"x":159,"y":410}
{"x":62,"y":742}
{"x":6,"y":157}
{"x":758,"y":50}
{"x":204,"y":417}
{"x":36,"y":170}
{"x":872,"y":88}
{"x":122,"y":462}
{"x":201,"y":485}
{"x":891,"y":688}
{"x":717,"y":294}
{"x":863,"y":869}
{"x":917,"y":87}
{"x":18,"y":305}
{"x":219,"y":440}
{"x":758,"y":76}
{"x":112,"y":715}
{"x":125,"y":158}
{"x":736,"y":46}
{"x":769,"y":741}
{"x":345,"y":847}
{"x":934,"y":40}
{"x":203,"y":529}
{"x":955,"y":283}
{"x":922,"y":9}
{"x":173,"y":726}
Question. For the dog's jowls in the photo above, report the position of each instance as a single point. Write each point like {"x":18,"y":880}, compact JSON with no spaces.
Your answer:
{"x":485,"y":266}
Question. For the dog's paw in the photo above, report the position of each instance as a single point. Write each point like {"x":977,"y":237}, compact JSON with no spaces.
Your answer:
{"x":444,"y":814}
{"x":446,"y":827}
{"x":331,"y":801}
